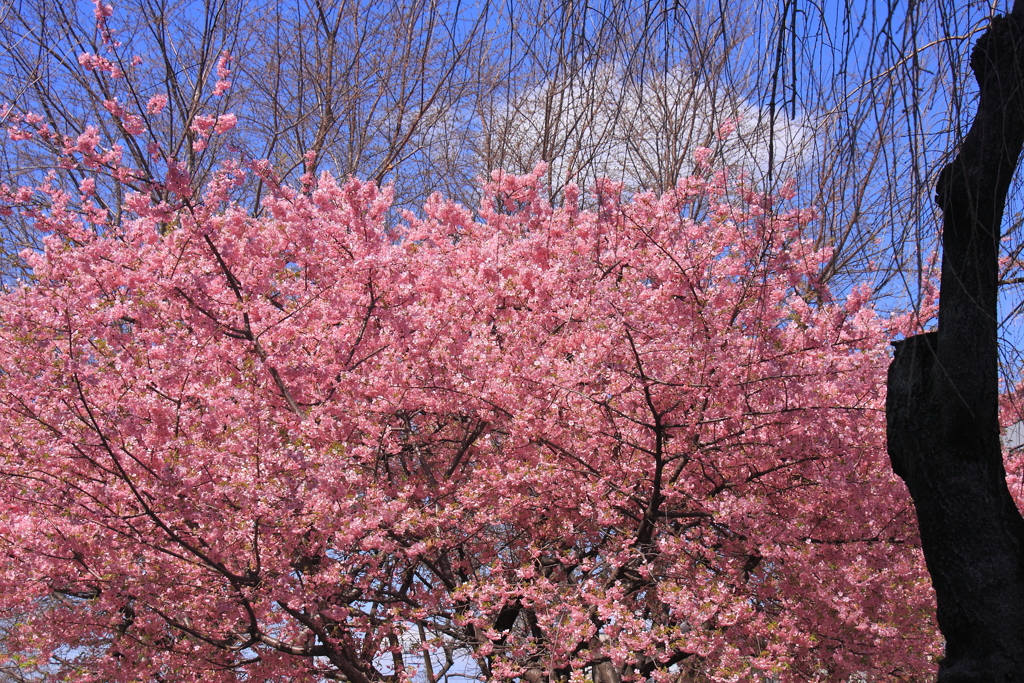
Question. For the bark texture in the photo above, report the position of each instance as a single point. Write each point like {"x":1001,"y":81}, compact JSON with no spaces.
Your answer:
{"x":942,"y":406}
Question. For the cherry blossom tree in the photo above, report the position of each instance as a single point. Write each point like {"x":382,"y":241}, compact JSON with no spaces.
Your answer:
{"x":623,"y":437}
{"x":518,"y":441}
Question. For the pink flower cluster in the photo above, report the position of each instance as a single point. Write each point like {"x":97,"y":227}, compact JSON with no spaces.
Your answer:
{"x":634,"y":434}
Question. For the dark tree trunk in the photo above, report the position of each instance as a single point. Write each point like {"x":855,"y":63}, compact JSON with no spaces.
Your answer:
{"x":942,"y":407}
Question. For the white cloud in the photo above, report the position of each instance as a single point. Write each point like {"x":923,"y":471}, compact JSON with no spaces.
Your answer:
{"x":641,"y":132}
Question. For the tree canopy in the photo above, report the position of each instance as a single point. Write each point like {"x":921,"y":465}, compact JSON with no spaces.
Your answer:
{"x":537,"y":442}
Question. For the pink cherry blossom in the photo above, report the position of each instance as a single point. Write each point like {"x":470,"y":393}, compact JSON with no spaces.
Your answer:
{"x":223,"y":74}
{"x":93,"y":62}
{"x":132,"y":123}
{"x":156,"y":104}
{"x":554,"y":438}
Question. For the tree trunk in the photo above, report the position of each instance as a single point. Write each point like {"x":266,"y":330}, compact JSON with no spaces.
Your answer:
{"x":942,"y":406}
